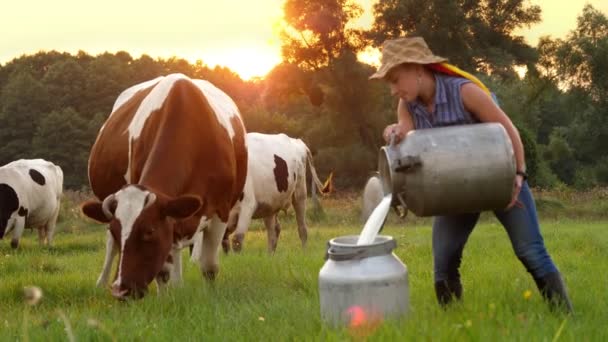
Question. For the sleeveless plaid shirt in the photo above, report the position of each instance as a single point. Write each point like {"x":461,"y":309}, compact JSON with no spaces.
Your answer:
{"x":449,"y":109}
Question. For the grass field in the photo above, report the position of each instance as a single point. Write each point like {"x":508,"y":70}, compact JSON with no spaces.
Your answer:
{"x":260,"y":297}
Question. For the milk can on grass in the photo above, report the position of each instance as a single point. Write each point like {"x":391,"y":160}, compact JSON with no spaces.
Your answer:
{"x":366,"y":280}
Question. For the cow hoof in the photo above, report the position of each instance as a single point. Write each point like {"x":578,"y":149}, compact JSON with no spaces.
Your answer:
{"x":210,"y":275}
{"x":237,"y":243}
{"x":14,"y":244}
{"x":226,"y":246}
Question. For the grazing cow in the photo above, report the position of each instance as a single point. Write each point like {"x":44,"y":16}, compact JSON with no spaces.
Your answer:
{"x":276,"y":179}
{"x":169,"y":161}
{"x":30,"y":194}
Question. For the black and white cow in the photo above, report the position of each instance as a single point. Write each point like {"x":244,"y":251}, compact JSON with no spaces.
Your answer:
{"x":276,"y":179}
{"x":30,"y":192}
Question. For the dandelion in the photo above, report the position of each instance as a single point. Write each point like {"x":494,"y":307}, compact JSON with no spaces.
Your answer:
{"x":527,"y":294}
{"x":261,"y":318}
{"x":92,"y":323}
{"x":32,"y":295}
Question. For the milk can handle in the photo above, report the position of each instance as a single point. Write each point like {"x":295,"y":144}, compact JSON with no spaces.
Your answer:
{"x":407,"y":163}
{"x":349,"y":255}
{"x":391,"y":139}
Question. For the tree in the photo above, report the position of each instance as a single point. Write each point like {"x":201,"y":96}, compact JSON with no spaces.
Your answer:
{"x":476,"y":35}
{"x":61,"y":137}
{"x":581,"y":60}
{"x":318,"y":42}
{"x":65,"y":84}
{"x":317,"y":34}
{"x":23,"y":100}
{"x":580,"y":64}
{"x":561,"y":157}
{"x":106,"y":77}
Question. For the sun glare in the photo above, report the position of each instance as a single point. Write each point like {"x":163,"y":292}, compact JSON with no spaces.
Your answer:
{"x":247,"y":62}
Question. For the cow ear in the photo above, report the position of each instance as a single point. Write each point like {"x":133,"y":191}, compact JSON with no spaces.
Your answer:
{"x":183,"y":207}
{"x":94,"y":210}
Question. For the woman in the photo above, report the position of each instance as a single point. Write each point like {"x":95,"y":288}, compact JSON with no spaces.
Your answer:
{"x":429,"y":97}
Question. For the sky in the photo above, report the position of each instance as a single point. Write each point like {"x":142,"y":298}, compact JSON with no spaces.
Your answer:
{"x":240,"y":34}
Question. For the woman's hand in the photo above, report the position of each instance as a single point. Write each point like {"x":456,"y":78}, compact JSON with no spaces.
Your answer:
{"x":517,"y":184}
{"x":394,"y":129}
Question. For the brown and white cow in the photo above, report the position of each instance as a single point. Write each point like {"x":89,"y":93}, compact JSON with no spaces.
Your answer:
{"x":276,"y":179}
{"x":170,"y":160}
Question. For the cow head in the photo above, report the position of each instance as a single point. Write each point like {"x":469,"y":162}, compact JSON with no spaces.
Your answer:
{"x":141,"y":222}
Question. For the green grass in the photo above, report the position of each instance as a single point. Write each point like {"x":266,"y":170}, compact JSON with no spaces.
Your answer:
{"x":261,"y":297}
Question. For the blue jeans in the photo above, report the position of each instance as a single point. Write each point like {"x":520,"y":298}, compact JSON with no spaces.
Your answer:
{"x":450,"y":234}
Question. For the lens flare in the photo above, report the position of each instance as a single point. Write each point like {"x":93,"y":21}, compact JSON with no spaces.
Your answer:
{"x":362,"y":322}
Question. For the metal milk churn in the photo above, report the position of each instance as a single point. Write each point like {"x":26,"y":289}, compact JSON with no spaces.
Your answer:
{"x":369,"y":279}
{"x":450,"y":170}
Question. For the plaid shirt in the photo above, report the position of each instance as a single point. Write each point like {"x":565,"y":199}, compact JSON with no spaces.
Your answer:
{"x":449,"y":109}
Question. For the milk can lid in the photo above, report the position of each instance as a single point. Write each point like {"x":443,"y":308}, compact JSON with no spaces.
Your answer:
{"x":345,"y":248}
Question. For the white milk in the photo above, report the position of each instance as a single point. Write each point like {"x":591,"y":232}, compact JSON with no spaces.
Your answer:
{"x":375,"y":221}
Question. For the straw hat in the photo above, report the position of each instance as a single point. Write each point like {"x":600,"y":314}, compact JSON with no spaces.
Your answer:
{"x":405,"y":50}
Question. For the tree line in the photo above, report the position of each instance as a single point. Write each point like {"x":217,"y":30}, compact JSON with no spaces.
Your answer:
{"x":52,"y":104}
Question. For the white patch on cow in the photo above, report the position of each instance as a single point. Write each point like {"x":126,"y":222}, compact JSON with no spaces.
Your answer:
{"x":262,"y":149}
{"x":203,"y":223}
{"x":223,"y":106}
{"x":130,"y":203}
{"x":154,"y":101}
{"x":128,"y":94}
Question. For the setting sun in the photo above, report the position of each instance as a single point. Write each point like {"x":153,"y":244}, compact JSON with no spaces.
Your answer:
{"x":240,"y":35}
{"x":247,"y":61}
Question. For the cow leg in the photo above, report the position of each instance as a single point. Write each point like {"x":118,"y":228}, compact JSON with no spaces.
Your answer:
{"x":277,"y":226}
{"x":50,"y":226}
{"x":17,"y":232}
{"x":197,"y":240}
{"x":197,"y":246}
{"x":111,"y":252}
{"x":241,"y":227}
{"x":42,"y":234}
{"x":163,"y":277}
{"x":270,"y":223}
{"x":226,"y":239}
{"x":176,"y":270}
{"x":212,"y":238}
{"x":299,"y":204}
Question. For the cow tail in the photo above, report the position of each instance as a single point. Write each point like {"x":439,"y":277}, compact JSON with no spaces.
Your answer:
{"x":322,"y":189}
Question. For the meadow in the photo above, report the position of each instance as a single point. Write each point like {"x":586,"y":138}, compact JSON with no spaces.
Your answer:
{"x":261,"y":297}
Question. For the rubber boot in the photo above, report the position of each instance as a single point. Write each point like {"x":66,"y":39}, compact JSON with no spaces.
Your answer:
{"x":553,"y":289}
{"x":447,"y":290}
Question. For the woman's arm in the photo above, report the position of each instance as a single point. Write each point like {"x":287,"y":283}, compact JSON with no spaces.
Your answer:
{"x":403,"y":126}
{"x":481,"y":104}
{"x":483,"y":107}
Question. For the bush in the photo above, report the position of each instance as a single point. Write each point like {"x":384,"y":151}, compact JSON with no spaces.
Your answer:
{"x":351,"y":164}
{"x":531,"y":154}
{"x":584,"y":178}
{"x":545,"y":178}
